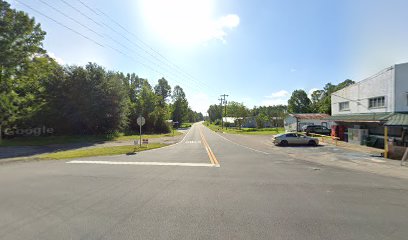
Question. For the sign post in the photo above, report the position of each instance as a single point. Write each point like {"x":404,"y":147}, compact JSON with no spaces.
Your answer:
{"x":174,"y":124}
{"x":140,"y":121}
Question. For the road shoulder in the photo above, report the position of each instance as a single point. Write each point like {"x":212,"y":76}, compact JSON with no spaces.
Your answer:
{"x":325,"y":154}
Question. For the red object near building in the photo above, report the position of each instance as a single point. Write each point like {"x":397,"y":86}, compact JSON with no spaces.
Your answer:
{"x":342,"y":129}
{"x":334,"y":131}
{"x":338,"y":131}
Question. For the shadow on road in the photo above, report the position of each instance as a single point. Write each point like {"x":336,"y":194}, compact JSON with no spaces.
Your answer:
{"x":300,"y":146}
{"x":25,"y":151}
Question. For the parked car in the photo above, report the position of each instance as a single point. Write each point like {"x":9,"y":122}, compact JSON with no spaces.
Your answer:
{"x":318,"y":129}
{"x":295,"y":139}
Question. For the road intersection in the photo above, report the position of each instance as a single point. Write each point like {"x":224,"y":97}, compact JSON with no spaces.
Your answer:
{"x":208,"y":186}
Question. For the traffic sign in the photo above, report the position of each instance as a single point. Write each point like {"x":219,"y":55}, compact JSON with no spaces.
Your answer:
{"x":141,"y":121}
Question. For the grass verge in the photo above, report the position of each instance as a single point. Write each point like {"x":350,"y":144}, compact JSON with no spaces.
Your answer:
{"x":186,"y":125}
{"x":48,"y":140}
{"x":105,"y":151}
{"x":134,"y":137}
{"x":247,"y":131}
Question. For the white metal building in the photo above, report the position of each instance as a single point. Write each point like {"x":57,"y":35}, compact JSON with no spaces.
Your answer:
{"x":385,"y":92}
{"x":377,"y":107}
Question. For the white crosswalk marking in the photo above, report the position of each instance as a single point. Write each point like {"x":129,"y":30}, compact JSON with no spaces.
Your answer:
{"x":149,"y":163}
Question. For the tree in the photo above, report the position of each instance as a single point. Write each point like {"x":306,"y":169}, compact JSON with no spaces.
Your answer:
{"x":316,"y":98}
{"x":299,"y":102}
{"x":163,"y":90}
{"x":34,"y":89}
{"x":344,"y":84}
{"x":275,"y":114}
{"x":20,"y":39}
{"x":237,"y":110}
{"x":261,"y":119}
{"x":214,"y":112}
{"x":86,"y":100}
{"x":180,"y":105}
{"x":321,"y":99}
{"x":194,"y":116}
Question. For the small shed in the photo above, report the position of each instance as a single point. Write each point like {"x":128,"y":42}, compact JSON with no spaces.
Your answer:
{"x":295,"y":121}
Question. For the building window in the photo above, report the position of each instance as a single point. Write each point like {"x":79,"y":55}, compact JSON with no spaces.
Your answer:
{"x":344,"y":106}
{"x":376,"y":102}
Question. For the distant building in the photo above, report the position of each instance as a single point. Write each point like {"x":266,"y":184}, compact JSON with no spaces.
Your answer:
{"x":230,"y":120}
{"x":250,"y":122}
{"x":294,"y":122}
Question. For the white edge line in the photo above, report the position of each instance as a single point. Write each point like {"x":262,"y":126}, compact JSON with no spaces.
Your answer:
{"x":240,"y":144}
{"x":148,"y":163}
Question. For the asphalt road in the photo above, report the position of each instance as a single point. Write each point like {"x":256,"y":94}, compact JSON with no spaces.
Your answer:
{"x":191,"y":190}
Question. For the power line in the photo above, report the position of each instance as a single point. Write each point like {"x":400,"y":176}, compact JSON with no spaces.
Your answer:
{"x":112,"y":29}
{"x":86,"y":37}
{"x":146,"y":45}
{"x":101,"y":35}
{"x":170,"y":64}
{"x":108,"y":36}
{"x":71,"y":18}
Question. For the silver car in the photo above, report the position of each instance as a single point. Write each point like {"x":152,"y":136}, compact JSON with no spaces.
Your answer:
{"x":295,"y":139}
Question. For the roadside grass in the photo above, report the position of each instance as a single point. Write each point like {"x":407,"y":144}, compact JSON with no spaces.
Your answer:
{"x":103,"y":151}
{"x":186,"y":125}
{"x":247,"y":131}
{"x":136,"y":136}
{"x":48,"y":140}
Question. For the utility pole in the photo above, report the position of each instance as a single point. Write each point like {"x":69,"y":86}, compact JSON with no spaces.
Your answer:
{"x":222,"y":120}
{"x":223,"y":100}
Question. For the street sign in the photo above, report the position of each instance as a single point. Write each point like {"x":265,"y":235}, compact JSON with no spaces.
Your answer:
{"x":141,"y":121}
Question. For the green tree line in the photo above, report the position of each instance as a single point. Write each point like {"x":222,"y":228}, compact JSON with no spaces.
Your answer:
{"x":299,"y":102}
{"x":262,"y":114}
{"x":320,"y":101}
{"x":37,"y":91}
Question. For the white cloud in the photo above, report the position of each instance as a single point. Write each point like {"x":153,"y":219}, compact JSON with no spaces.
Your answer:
{"x":293,"y":70}
{"x":187,"y":21}
{"x":218,"y":32}
{"x":57,"y":59}
{"x":276,"y":98}
{"x":278,"y":94}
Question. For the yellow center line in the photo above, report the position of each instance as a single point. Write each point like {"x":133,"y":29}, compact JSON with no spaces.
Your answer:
{"x":210,"y":153}
{"x":206,"y":148}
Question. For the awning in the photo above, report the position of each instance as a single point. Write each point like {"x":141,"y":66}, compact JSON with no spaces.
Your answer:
{"x":397,"y":119}
{"x":388,"y":119}
{"x":362,"y":117}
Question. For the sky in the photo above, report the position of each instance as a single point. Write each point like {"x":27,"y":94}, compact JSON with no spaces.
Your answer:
{"x":258,"y":52}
